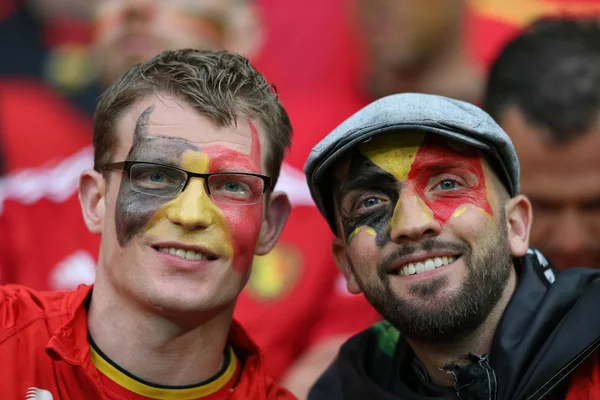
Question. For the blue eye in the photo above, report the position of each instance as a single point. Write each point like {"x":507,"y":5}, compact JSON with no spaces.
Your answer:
{"x":232,"y":186}
{"x":447,"y":184}
{"x":157,"y":177}
{"x":370,"y":202}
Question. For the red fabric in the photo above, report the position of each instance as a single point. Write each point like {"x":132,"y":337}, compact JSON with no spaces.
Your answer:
{"x":43,"y":345}
{"x":37,"y":125}
{"x":585,"y":382}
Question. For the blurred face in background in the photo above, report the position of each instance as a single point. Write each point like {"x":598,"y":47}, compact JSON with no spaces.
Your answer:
{"x":404,"y":34}
{"x":563,"y":183}
{"x":131,"y":31}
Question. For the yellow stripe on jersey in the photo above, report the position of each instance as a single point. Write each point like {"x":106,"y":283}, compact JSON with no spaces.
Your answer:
{"x":191,"y":393}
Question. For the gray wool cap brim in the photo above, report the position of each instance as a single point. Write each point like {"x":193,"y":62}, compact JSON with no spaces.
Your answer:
{"x":452,"y":119}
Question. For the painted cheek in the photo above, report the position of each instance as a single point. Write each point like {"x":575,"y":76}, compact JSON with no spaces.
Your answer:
{"x":244,"y":222}
{"x":445,"y":207}
{"x":366,"y":229}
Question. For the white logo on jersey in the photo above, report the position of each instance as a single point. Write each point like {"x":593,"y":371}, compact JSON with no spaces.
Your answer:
{"x":77,"y":268}
{"x":34,"y":393}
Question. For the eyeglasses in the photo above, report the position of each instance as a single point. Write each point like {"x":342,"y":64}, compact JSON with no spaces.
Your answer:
{"x":239,"y":188}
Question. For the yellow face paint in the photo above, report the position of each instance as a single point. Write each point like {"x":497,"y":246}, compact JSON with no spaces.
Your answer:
{"x":366,"y":229}
{"x":459,"y":211}
{"x":193,"y":207}
{"x":394,"y":153}
{"x":398,"y":218}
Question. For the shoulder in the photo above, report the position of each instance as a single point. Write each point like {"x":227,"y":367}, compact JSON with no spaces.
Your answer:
{"x":277,"y":392}
{"x":350,"y":373}
{"x":21,"y":307}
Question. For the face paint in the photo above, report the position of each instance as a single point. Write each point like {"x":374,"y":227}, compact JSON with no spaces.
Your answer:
{"x":244,"y":221}
{"x":227,"y":230}
{"x":134,"y":210}
{"x":195,"y":207}
{"x":366,"y":229}
{"x":363,"y":174}
{"x":414,"y":164}
{"x":433,"y":158}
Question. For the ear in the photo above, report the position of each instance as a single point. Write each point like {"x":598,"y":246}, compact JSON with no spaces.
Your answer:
{"x":338,"y":248}
{"x":92,"y":188}
{"x":518,"y":220}
{"x":276,"y":215}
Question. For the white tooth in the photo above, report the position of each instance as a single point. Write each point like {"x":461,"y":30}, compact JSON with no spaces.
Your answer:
{"x":419,"y":267}
{"x":404,"y":271}
{"x":445,"y":260}
{"x":190,"y":255}
{"x":198,"y":256}
{"x":172,"y":250}
{"x":429,"y":265}
{"x":450,"y":260}
{"x":163,"y":250}
{"x":438,"y":262}
{"x":180,"y":253}
{"x":411,"y":269}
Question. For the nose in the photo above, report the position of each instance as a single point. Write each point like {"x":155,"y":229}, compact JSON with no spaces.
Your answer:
{"x":193,"y":208}
{"x":412,"y":220}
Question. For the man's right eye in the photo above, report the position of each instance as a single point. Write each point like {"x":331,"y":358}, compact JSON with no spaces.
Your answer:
{"x":153,"y":179}
{"x":157,"y":177}
{"x":370,"y":202}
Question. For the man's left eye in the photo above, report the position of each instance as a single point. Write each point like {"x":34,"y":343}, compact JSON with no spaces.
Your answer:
{"x":232,"y":186}
{"x":447,"y":184}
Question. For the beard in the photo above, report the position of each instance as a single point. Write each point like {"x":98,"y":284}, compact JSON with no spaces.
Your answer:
{"x":460,"y":313}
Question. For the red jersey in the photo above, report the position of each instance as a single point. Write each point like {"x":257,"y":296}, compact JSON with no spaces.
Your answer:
{"x":46,"y":354}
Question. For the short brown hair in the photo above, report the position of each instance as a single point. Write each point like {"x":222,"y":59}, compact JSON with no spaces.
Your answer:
{"x":220,"y":84}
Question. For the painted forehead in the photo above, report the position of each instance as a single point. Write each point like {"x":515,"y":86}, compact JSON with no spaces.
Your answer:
{"x":158,"y":138}
{"x":396,"y":152}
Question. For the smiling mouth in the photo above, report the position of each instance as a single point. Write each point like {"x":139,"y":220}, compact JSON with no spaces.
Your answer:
{"x":424,"y":266}
{"x":186,"y":254}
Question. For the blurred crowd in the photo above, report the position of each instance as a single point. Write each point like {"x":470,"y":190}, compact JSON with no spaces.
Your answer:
{"x":533,"y":65}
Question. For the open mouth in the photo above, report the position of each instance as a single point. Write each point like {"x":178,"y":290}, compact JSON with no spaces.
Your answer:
{"x":187,"y":254}
{"x":424,"y":266}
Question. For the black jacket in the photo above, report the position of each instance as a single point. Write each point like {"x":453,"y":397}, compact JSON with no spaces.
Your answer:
{"x":550,"y":326}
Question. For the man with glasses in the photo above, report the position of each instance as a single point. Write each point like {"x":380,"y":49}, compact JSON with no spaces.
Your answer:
{"x":187,"y":149}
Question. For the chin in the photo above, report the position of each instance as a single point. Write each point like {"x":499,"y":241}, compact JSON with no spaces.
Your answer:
{"x":190,"y":298}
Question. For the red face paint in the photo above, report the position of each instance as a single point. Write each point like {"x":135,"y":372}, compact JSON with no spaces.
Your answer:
{"x":434,"y":157}
{"x":244,"y":221}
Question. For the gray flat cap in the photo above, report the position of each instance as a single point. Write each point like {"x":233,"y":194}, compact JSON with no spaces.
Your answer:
{"x":453,"y":119}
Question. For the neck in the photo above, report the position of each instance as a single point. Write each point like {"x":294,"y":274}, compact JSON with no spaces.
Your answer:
{"x":155,"y":348}
{"x":448,"y":72}
{"x":435,"y":356}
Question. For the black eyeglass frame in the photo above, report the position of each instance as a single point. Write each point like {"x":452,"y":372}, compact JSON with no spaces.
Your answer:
{"x":127,"y":165}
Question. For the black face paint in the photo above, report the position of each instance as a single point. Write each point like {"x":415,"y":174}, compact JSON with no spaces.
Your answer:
{"x":364,"y":175}
{"x":133,"y":209}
